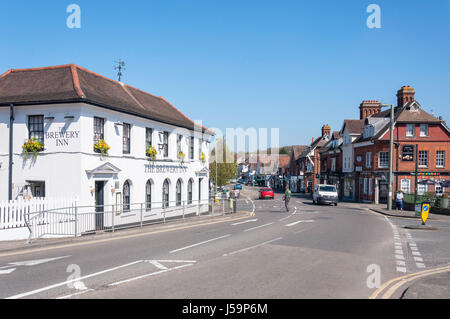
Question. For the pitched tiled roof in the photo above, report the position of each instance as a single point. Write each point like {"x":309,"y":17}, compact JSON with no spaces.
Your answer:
{"x":409,"y":113}
{"x":283,"y":161}
{"x":354,"y":126}
{"x":298,"y":150}
{"x":71,"y":83}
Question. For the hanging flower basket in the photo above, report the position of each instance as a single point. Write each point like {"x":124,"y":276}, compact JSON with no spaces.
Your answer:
{"x":102,"y":147}
{"x":181,"y":157}
{"x":203,"y":158}
{"x":151,"y":152}
{"x":32,"y":146}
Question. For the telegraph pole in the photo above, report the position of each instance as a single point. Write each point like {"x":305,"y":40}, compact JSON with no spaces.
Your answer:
{"x":11,"y":150}
{"x":391,"y":158}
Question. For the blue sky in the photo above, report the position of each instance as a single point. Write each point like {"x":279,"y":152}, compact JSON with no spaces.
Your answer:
{"x":292,"y":65}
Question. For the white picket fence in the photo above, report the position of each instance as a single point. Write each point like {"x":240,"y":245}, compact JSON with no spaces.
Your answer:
{"x":12,"y":213}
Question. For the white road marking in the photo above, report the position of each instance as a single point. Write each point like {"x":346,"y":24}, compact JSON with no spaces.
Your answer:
{"x":148,"y":275}
{"x":285,"y":218}
{"x":258,"y":226}
{"x":245,"y":221}
{"x":198,"y":244}
{"x":401,"y":257}
{"x":157,"y":264}
{"x":248,"y":248}
{"x":33,"y":292}
{"x":298,"y":222}
{"x":401,"y":269}
{"x":415,"y":251}
{"x":302,"y":230}
{"x":36,"y":262}
{"x":400,"y":263}
{"x":7,"y":271}
{"x":75,"y":294}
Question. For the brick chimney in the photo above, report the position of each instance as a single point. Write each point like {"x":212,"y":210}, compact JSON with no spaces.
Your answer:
{"x":369,"y":108}
{"x":405,"y":95}
{"x":326,"y":130}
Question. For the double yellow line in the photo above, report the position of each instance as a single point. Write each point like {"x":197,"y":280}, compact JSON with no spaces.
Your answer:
{"x":390,"y":287}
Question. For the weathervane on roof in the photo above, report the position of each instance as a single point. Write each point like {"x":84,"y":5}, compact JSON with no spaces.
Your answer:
{"x":120,"y":66}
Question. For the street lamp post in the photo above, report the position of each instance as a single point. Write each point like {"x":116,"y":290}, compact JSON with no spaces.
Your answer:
{"x":391,"y":157}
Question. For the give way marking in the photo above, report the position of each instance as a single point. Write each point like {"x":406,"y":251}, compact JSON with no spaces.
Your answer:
{"x":158,"y":264}
{"x":27,"y":263}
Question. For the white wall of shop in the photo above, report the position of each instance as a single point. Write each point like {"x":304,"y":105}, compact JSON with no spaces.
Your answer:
{"x":63,"y":166}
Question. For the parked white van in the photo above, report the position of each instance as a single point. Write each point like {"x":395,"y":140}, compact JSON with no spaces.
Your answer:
{"x":325,"y":194}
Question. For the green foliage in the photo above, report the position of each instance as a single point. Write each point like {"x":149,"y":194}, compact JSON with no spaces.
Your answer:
{"x":226,"y":165}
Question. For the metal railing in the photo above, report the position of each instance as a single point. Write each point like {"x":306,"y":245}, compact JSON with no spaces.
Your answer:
{"x":77,"y":221}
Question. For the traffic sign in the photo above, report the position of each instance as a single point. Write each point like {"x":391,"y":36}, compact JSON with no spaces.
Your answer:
{"x":425,"y":211}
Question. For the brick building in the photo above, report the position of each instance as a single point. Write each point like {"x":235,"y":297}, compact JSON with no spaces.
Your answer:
{"x":309,"y":160}
{"x":294,"y":172}
{"x":419,"y":139}
{"x":331,"y":162}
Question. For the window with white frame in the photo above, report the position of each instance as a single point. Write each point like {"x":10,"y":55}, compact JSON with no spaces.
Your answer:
{"x":370,"y":186}
{"x":179,"y":140}
{"x":165,"y":144}
{"x":440,"y":159}
{"x":365,"y":185}
{"x":333,"y":164}
{"x":405,"y":186}
{"x":423,"y":130}
{"x":369,"y":159}
{"x":191,"y":147}
{"x":383,"y":160}
{"x":410,"y":130}
{"x":422,"y":189}
{"x":148,"y":137}
{"x":423,"y":158}
{"x":126,"y":138}
{"x":99,"y":130}
{"x":200,"y":149}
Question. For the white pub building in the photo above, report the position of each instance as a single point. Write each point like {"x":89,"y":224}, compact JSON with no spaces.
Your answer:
{"x":77,"y":133}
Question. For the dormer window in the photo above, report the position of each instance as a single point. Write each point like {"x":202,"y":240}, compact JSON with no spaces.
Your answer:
{"x":368,"y":131}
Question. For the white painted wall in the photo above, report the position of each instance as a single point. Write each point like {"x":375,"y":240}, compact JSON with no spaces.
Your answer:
{"x":63,"y":168}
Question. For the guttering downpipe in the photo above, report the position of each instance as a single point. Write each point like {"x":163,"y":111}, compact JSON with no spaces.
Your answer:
{"x":11,"y":130}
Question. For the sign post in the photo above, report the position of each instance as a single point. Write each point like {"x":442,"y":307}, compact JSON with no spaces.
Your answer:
{"x":425,"y":211}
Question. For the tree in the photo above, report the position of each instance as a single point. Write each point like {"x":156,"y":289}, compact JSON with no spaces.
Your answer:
{"x":226,"y":164}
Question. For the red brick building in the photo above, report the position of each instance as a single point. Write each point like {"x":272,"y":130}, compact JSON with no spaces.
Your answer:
{"x":309,"y":160}
{"x":331,"y":162}
{"x":294,"y":171}
{"x":419,"y":139}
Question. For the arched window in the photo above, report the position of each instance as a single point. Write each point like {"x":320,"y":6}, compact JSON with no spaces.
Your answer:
{"x":165,"y":194}
{"x":126,"y":196}
{"x":148,"y":195}
{"x":179,"y":192}
{"x":190,"y":191}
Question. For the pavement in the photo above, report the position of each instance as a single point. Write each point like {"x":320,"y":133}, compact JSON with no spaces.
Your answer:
{"x":312,"y":251}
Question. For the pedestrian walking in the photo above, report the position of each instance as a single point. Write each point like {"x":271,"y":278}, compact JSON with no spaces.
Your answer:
{"x":287,"y":198}
{"x":399,"y":200}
